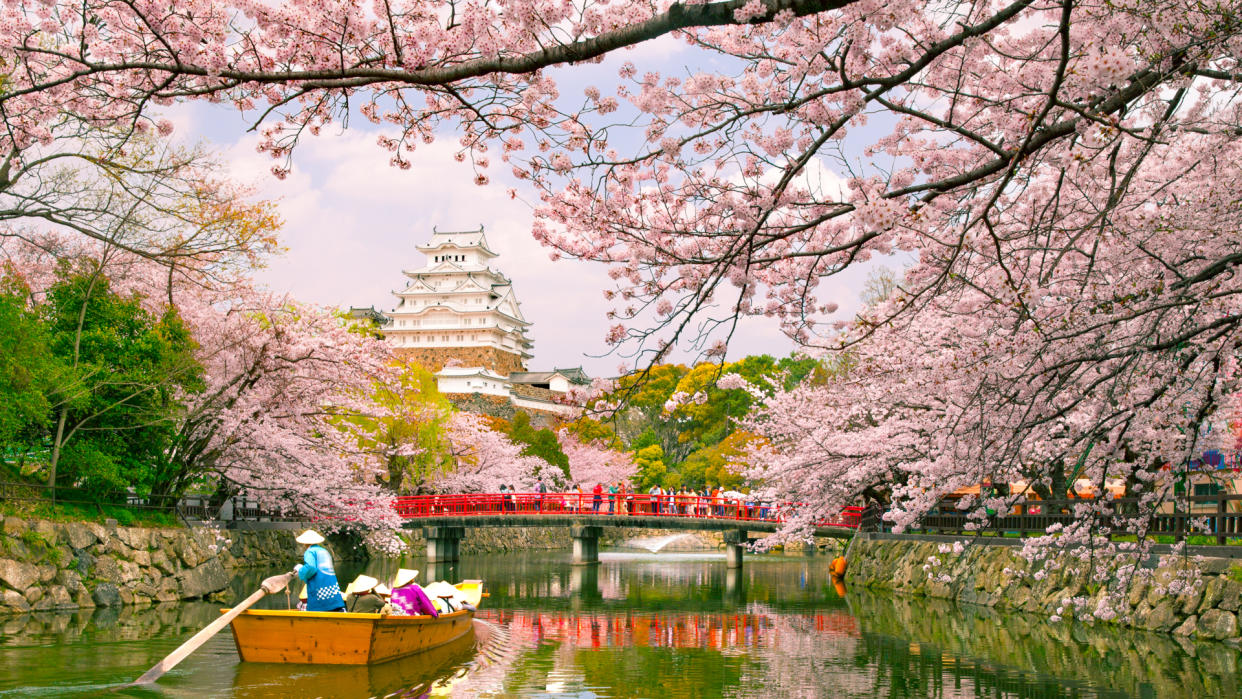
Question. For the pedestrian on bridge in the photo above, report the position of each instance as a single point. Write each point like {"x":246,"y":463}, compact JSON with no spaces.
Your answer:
{"x":612,"y":496}
{"x":598,"y":493}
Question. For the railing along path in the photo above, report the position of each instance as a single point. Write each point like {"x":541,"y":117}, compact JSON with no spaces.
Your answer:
{"x":608,"y":504}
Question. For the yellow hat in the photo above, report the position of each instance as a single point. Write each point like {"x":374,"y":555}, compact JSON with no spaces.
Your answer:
{"x":302,"y":594}
{"x":405,"y":576}
{"x":382,"y":589}
{"x":310,"y":536}
{"x":363,"y":583}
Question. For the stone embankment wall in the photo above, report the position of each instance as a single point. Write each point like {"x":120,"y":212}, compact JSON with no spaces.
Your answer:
{"x":996,"y":576}
{"x":68,"y":565}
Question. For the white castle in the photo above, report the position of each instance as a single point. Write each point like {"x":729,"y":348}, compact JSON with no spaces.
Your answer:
{"x":455,"y":302}
{"x":459,"y":318}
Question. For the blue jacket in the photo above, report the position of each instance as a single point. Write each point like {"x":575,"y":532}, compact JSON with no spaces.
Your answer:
{"x":323,"y":592}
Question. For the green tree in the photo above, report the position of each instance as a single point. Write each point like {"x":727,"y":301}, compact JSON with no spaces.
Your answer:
{"x":128,"y":366}
{"x":409,"y":429}
{"x":29,"y":372}
{"x":651,"y":468}
{"x":540,"y":443}
{"x":713,"y":465}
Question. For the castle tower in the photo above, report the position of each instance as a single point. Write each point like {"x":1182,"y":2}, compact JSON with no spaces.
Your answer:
{"x":457,"y":307}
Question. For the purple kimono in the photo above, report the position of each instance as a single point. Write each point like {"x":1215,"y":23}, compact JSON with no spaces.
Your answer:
{"x":412,"y":601}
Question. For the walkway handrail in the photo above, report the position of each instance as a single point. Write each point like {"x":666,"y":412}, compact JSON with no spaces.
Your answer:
{"x":609,"y":504}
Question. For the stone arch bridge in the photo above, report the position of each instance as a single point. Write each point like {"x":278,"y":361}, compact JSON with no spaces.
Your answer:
{"x":444,"y":518}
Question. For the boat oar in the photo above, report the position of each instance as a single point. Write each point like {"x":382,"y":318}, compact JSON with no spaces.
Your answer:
{"x":270,"y":586}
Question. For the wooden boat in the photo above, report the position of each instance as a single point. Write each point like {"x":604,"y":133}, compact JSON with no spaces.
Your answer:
{"x":338,"y":638}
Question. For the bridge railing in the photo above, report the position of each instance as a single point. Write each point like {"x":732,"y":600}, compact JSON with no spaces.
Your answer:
{"x":630,"y":504}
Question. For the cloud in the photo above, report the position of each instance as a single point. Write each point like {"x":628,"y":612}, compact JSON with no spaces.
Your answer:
{"x":352,"y":222}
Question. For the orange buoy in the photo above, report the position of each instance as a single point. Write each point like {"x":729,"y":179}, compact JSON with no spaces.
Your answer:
{"x":837,"y":567}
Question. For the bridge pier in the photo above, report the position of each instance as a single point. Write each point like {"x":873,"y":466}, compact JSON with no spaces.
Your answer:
{"x":443,"y":543}
{"x":734,"y":540}
{"x":586,"y":543}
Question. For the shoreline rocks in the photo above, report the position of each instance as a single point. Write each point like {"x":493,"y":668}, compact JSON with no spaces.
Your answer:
{"x":81,"y":565}
{"x":994,"y":576}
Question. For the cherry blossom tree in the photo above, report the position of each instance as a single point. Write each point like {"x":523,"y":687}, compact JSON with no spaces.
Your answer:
{"x":487,"y":459}
{"x":592,"y":462}
{"x":268,"y":415}
{"x":274,"y":423}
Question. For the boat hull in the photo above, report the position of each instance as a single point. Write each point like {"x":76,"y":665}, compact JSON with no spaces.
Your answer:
{"x":337,"y":638}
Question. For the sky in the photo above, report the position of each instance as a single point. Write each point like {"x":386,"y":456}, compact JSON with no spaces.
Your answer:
{"x":352,"y":221}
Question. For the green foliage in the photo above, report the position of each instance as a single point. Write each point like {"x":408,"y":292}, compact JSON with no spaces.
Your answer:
{"x":411,"y":429}
{"x":29,"y":373}
{"x":712,"y":466}
{"x":42,"y":549}
{"x":540,"y":443}
{"x":128,"y":368}
{"x":651,"y":468}
{"x":697,"y":438}
{"x":588,"y":430}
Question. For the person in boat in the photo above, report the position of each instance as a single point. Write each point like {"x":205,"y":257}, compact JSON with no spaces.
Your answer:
{"x":323,"y":592}
{"x":384,"y":594}
{"x":408,"y":598}
{"x":364,"y":600}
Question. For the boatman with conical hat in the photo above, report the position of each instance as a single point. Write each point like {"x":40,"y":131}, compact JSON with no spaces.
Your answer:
{"x":323,"y":592}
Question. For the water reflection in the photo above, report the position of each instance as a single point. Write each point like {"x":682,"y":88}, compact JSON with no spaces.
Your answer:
{"x":643,"y":626}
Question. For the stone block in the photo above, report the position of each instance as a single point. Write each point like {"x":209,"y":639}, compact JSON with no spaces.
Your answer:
{"x":1136,"y":593}
{"x":142,"y":557}
{"x":15,"y":602}
{"x":47,"y":530}
{"x":1231,"y":595}
{"x":18,"y":575}
{"x":1186,"y":628}
{"x":33,"y":595}
{"x":1162,"y":617}
{"x":117,"y":548}
{"x":84,"y":563}
{"x":189,"y":553}
{"x":99,"y":531}
{"x":78,"y":536}
{"x":1213,"y":592}
{"x":1218,"y":624}
{"x":138,"y":538}
{"x":14,"y":526}
{"x":59,"y":598}
{"x":161,"y":562}
{"x":83,"y":599}
{"x":130,"y":571}
{"x":1216,"y":566}
{"x":202,"y":580}
{"x":47,"y":573}
{"x":108,"y":570}
{"x":71,"y":580}
{"x":106,"y":595}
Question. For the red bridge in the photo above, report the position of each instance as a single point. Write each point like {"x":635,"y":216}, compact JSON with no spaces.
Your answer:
{"x":444,"y":518}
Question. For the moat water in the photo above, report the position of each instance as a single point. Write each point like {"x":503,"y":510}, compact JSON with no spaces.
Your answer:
{"x":640,"y":625}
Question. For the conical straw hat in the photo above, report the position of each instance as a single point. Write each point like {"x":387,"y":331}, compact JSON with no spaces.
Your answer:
{"x":310,"y":536}
{"x":405,"y":576}
{"x":363,"y":583}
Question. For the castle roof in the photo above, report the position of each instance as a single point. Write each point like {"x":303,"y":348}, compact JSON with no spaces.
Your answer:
{"x":457,"y":239}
